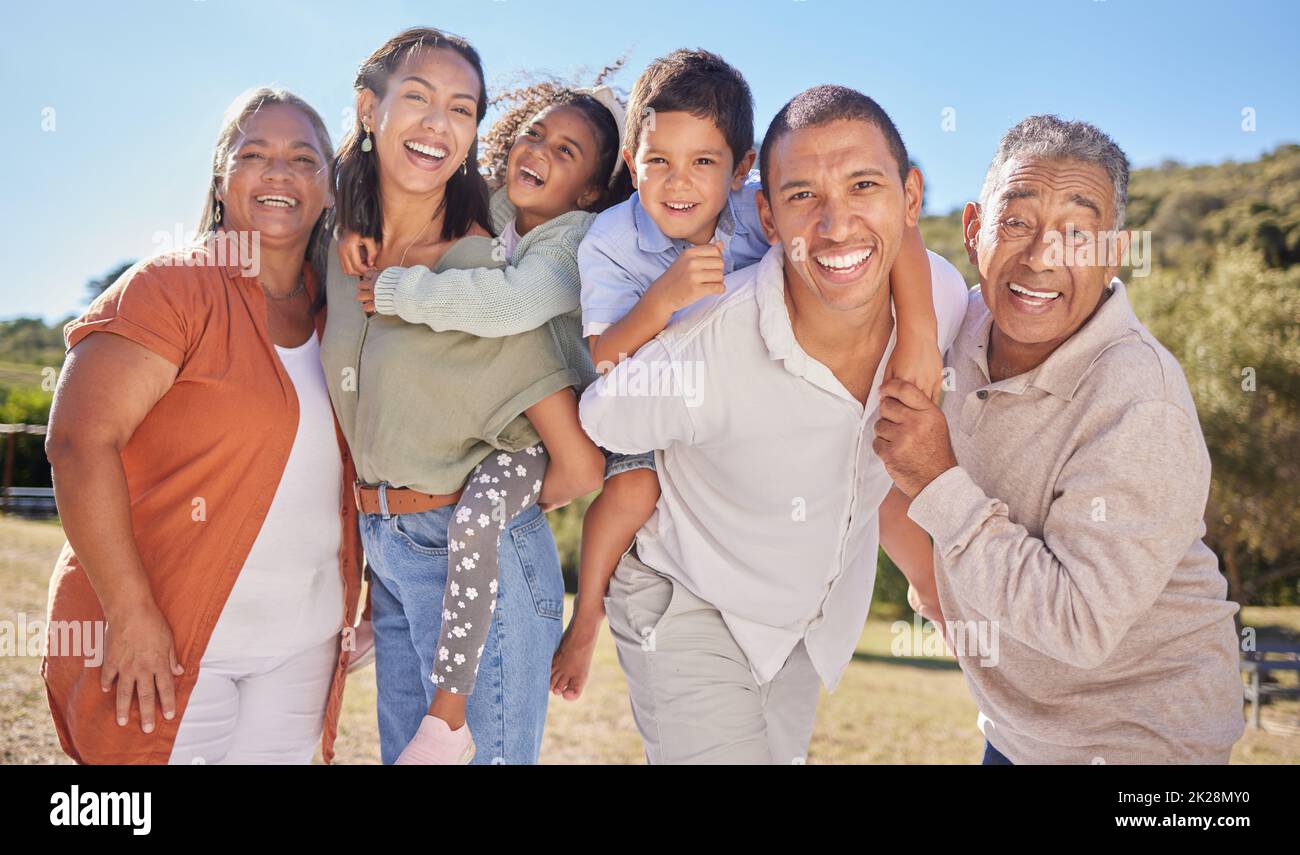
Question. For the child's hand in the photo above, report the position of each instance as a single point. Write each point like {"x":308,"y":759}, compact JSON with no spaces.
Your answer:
{"x":572,"y":661}
{"x":919,"y":363}
{"x":366,"y":290}
{"x":696,"y":273}
{"x":357,"y":253}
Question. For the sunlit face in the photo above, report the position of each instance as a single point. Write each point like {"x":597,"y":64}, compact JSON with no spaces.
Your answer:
{"x":684,"y":172}
{"x":552,"y":164}
{"x":424,"y":125}
{"x":837,"y":203}
{"x":277,"y":178}
{"x":1037,"y":291}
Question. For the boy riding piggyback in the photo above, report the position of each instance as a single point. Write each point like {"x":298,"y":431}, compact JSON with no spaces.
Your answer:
{"x":689,"y":148}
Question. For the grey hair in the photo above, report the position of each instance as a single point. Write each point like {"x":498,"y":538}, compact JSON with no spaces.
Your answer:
{"x":232,"y":125}
{"x":1054,"y":138}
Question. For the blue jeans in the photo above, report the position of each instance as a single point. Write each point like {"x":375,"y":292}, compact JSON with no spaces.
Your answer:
{"x":408,"y":562}
{"x":617,"y":464}
{"x":994,"y":757}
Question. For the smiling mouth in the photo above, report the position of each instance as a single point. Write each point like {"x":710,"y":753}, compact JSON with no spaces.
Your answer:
{"x":844,"y":263}
{"x":1032,"y":298}
{"x":531,"y":176}
{"x":275,"y":201}
{"x":681,"y":207}
{"x":435,"y":153}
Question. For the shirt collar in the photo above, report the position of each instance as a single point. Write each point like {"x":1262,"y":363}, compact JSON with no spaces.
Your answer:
{"x":650,"y":238}
{"x":778,"y":334}
{"x":1062,"y":371}
{"x":773,"y":316}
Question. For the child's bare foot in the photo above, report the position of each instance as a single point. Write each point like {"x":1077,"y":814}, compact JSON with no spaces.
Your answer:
{"x":572,"y":660}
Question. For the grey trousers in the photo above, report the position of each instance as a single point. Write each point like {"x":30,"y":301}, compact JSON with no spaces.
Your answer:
{"x":694,"y":698}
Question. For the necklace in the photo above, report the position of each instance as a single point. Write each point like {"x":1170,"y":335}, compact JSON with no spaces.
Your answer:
{"x":416,"y":240}
{"x":302,"y":286}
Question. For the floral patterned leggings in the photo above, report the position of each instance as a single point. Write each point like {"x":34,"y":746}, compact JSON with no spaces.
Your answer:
{"x":502,"y":486}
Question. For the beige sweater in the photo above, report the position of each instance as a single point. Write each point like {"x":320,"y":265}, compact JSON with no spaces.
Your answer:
{"x":1089,"y":617}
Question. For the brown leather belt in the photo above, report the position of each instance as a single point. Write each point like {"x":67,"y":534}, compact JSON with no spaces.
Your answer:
{"x":401,"y":500}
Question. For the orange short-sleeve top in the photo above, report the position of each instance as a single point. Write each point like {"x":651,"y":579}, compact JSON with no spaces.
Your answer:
{"x":201,"y":470}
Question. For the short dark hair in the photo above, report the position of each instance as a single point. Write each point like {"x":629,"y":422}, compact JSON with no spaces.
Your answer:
{"x":821,"y":105}
{"x":696,"y":82}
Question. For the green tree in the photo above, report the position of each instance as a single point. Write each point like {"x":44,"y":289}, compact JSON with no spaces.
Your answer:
{"x":1236,"y":332}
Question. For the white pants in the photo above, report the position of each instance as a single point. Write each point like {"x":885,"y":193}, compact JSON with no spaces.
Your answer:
{"x":694,"y":697}
{"x":257,"y":709}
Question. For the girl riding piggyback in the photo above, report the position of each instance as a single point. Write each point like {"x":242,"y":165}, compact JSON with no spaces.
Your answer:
{"x":554,"y":158}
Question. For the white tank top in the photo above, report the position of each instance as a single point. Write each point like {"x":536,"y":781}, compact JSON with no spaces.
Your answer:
{"x":289,"y":595}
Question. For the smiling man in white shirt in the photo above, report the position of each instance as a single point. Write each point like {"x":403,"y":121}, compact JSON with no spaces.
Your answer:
{"x":751,"y":582}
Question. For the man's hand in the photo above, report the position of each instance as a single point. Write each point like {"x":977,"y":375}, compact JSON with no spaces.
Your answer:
{"x":911,"y":437}
{"x":366,"y":290}
{"x":696,"y":273}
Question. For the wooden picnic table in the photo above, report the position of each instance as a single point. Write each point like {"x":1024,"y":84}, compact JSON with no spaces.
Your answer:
{"x":1269,"y":658}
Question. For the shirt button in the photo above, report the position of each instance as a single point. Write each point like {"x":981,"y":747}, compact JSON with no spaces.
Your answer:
{"x":982,"y":394}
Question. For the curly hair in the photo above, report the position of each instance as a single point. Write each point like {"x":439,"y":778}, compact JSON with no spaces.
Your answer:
{"x":525,"y":102}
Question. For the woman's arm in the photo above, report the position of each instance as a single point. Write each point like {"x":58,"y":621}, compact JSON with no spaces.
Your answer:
{"x":577,"y":465}
{"x":108,"y":385}
{"x":916,"y":357}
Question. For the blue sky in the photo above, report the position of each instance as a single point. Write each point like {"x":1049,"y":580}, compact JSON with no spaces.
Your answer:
{"x":137,"y":88}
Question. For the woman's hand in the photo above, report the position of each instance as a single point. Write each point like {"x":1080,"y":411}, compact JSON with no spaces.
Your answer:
{"x":140,"y":656}
{"x":357,"y":253}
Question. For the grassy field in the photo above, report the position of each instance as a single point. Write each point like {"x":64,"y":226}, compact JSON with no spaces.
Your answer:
{"x":887,"y":709}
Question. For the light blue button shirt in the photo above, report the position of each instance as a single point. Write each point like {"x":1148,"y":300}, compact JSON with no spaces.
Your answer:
{"x":625,"y":251}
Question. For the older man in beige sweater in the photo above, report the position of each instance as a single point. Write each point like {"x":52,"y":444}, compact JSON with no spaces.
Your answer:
{"x":1064,"y":483}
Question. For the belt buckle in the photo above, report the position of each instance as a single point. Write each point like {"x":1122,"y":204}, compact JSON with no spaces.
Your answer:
{"x":356,"y":495}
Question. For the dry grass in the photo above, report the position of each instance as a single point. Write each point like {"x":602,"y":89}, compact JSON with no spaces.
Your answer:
{"x":887,"y":709}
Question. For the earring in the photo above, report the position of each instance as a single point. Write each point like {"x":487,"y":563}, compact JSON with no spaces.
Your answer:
{"x":366,"y":144}
{"x":216,"y":212}
{"x":464,"y":170}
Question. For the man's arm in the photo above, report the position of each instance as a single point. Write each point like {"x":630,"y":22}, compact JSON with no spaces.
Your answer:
{"x":909,"y":547}
{"x":1128,"y":506}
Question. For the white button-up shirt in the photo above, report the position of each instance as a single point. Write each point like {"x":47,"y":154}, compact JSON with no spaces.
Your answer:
{"x":769,"y":487}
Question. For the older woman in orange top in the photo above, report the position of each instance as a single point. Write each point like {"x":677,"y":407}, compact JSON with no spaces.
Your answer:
{"x":202,"y":482}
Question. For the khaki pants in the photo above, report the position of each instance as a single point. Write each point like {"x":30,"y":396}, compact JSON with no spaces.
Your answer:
{"x":694,"y":698}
